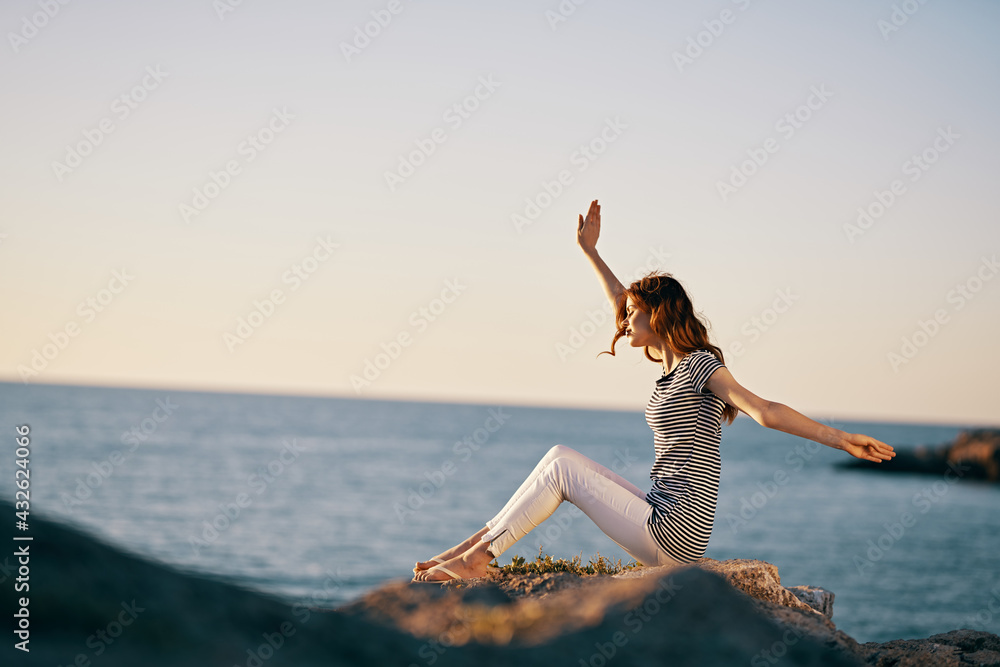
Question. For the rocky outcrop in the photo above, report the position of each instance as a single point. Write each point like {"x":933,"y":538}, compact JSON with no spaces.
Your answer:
{"x":974,"y":454}
{"x":950,"y":649}
{"x":92,"y":603}
{"x":533,"y":609}
{"x":711,"y":612}
{"x":658,"y":615}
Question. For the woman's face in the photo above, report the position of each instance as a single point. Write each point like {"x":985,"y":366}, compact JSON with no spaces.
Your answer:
{"x":637,"y":326}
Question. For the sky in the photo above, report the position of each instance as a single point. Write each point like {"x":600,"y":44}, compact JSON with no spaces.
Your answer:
{"x":380,"y":199}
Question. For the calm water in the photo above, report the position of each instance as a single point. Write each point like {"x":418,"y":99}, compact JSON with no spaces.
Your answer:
{"x":319,"y":500}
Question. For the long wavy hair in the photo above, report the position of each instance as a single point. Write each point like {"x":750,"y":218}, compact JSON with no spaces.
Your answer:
{"x":671,"y":317}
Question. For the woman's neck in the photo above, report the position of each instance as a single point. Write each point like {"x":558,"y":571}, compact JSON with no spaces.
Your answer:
{"x":669,"y":358}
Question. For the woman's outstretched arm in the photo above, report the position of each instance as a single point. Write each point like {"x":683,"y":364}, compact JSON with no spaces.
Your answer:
{"x":587,"y":232}
{"x":783,"y":418}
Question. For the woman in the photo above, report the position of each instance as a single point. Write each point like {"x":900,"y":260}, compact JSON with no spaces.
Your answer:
{"x":671,"y":523}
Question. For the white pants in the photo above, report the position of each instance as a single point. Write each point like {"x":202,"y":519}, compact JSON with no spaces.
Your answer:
{"x":617,"y":506}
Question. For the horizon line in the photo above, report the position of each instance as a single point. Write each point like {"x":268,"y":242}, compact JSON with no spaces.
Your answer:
{"x":299,"y":393}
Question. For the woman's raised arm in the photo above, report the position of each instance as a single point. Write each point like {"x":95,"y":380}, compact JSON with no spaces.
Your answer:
{"x":783,"y":418}
{"x":587,"y":232}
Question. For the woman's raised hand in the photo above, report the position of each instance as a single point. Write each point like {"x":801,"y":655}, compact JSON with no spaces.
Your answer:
{"x":586,"y":237}
{"x":865,"y":447}
{"x":589,"y":229}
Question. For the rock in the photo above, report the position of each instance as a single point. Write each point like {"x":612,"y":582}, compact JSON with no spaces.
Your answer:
{"x":958,"y":647}
{"x":757,"y":579}
{"x":974,"y":454}
{"x":708,"y":613}
{"x":688,"y":615}
{"x":761,"y":582}
{"x":571,"y":603}
{"x":980,"y":450}
{"x":818,"y":598}
{"x":92,"y":603}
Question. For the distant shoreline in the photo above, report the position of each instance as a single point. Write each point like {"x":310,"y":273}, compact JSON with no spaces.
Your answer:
{"x":974,"y":454}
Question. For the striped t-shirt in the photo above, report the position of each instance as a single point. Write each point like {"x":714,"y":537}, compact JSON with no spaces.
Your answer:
{"x":686,"y":419}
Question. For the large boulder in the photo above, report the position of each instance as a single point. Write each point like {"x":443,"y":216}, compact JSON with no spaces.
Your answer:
{"x":714,"y":610}
{"x":683,"y":615}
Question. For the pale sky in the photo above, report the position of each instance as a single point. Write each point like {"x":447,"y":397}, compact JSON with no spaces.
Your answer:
{"x":175,"y":162}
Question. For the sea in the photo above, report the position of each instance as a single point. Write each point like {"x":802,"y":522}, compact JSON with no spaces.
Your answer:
{"x":317,"y":500}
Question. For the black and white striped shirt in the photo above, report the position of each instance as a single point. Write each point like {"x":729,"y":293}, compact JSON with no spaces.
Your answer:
{"x":686,"y":419}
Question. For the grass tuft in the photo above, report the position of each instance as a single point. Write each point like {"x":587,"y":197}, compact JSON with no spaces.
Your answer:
{"x":545,"y":563}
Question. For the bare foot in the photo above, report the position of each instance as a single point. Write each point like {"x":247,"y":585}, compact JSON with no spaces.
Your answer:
{"x":469,"y":565}
{"x":456,"y":550}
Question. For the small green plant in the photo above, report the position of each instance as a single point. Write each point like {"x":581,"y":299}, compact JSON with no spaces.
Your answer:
{"x":545,"y":563}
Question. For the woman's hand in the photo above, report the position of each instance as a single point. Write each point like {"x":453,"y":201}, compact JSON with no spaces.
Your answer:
{"x":865,"y":447}
{"x":589,"y":229}
{"x":586,"y":236}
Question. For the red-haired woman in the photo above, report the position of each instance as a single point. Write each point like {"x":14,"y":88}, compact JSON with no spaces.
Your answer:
{"x":671,"y":523}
